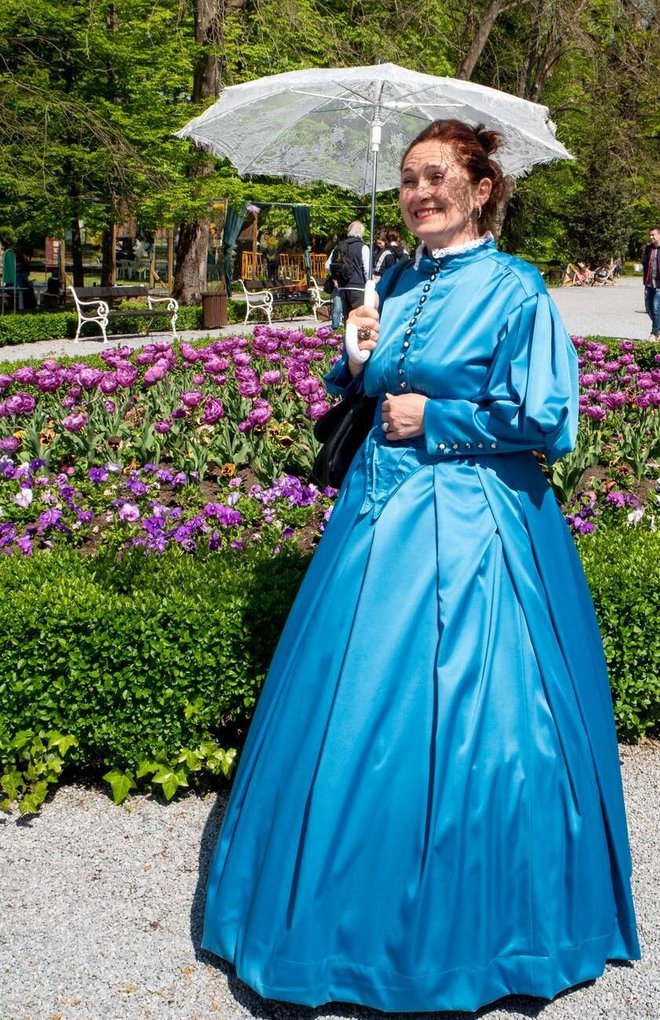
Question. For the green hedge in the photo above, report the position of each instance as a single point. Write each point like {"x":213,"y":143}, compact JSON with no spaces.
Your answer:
{"x":30,"y":328}
{"x":139,"y":656}
{"x":623,"y":570}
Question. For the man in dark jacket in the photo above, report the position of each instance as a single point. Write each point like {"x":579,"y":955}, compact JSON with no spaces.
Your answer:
{"x":348,"y":265}
{"x":651,"y":269}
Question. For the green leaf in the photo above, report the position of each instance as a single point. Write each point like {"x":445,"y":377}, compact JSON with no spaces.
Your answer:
{"x":170,"y":781}
{"x":121,"y":783}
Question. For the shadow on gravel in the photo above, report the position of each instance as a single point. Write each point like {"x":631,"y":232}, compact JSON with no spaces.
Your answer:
{"x":206,"y":848}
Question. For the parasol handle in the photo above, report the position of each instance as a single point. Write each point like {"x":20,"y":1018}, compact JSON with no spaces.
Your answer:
{"x":354,"y":352}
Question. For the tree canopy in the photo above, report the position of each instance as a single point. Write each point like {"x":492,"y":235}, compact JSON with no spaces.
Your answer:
{"x":91,"y":93}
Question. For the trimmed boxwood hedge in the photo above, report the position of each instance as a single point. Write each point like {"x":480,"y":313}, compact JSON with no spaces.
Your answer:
{"x":145,"y":655}
{"x":623,"y":570}
{"x":138,"y":656}
{"x":30,"y":328}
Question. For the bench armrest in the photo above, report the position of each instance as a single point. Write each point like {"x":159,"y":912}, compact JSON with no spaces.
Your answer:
{"x":172,"y":303}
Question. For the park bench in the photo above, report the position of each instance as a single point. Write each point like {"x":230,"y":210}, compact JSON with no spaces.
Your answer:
{"x":296,"y":292}
{"x":99,"y":305}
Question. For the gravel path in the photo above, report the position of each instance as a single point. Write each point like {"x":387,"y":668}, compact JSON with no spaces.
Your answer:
{"x":101,"y":906}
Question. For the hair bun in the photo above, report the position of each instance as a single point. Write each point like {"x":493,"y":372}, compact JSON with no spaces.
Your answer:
{"x":490,"y":141}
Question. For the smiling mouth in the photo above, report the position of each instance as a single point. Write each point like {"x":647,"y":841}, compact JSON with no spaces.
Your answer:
{"x":422,"y":214}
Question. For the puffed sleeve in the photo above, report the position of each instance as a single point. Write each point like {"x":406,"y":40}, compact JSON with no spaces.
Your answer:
{"x":529,"y":400}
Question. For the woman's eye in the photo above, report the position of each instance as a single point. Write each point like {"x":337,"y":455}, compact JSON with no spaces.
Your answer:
{"x":437,"y":178}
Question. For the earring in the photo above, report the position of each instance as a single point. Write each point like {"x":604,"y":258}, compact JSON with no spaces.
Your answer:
{"x":478,"y":212}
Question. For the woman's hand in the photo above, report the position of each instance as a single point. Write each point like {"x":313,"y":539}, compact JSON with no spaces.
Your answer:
{"x":403,"y":415}
{"x":367,"y":322}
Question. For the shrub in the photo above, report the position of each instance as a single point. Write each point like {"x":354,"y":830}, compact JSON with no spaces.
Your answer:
{"x":138,"y":657}
{"x":623,"y":570}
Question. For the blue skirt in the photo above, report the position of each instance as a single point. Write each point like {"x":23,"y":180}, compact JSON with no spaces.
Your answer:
{"x":428,"y":812}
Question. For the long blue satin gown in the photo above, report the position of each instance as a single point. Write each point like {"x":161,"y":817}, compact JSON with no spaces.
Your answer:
{"x":428,"y":812}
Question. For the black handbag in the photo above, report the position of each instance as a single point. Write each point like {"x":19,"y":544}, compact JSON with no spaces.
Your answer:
{"x":342,"y":431}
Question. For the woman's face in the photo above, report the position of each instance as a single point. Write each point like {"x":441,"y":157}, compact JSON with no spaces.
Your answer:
{"x":438,"y":200}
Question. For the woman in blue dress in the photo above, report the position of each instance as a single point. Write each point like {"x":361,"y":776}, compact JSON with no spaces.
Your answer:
{"x":428,"y":813}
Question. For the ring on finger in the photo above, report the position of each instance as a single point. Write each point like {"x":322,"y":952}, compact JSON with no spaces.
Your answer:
{"x":364,"y":333}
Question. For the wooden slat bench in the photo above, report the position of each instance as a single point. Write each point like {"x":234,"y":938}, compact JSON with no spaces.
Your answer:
{"x":99,"y":305}
{"x":297,"y":293}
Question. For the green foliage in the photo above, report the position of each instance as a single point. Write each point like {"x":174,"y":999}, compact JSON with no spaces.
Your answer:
{"x":623,"y":569}
{"x":169,"y":776}
{"x":140,"y":658}
{"x":29,"y":764}
{"x":565,"y":475}
{"x":29,"y":329}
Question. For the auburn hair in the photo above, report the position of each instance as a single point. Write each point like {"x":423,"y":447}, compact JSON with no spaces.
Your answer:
{"x":472,"y":147}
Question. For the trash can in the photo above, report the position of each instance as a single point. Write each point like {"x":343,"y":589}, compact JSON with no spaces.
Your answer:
{"x":214,"y":310}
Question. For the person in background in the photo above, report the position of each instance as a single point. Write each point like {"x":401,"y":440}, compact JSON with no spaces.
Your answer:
{"x":348,"y":265}
{"x":54,"y":296}
{"x":26,"y":296}
{"x":651,"y":276}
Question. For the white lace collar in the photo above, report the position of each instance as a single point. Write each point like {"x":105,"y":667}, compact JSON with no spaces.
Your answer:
{"x":456,"y":249}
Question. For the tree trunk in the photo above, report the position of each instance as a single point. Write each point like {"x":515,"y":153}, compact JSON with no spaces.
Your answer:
{"x":193,"y":247}
{"x":191,"y":256}
{"x":469,"y":61}
{"x":76,"y":247}
{"x":108,"y":256}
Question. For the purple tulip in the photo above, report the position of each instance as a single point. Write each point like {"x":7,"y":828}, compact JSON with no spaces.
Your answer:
{"x":146,"y":357}
{"x":18,"y":403}
{"x":109,"y":383}
{"x":189,"y":353}
{"x":249,"y":388}
{"x":26,"y":374}
{"x":162,"y":427}
{"x":192,"y":398}
{"x":317,"y":409}
{"x":271,"y":377}
{"x":48,"y":381}
{"x":260,"y":415}
{"x":156,"y":372}
{"x":213,"y":411}
{"x":9,"y":444}
{"x":126,"y":375}
{"x":89,"y":377}
{"x":75,"y":422}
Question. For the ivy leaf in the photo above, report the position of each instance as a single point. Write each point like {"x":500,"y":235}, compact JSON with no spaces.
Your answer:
{"x":170,"y":781}
{"x":12,"y":783}
{"x":121,"y":783}
{"x":61,"y":741}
